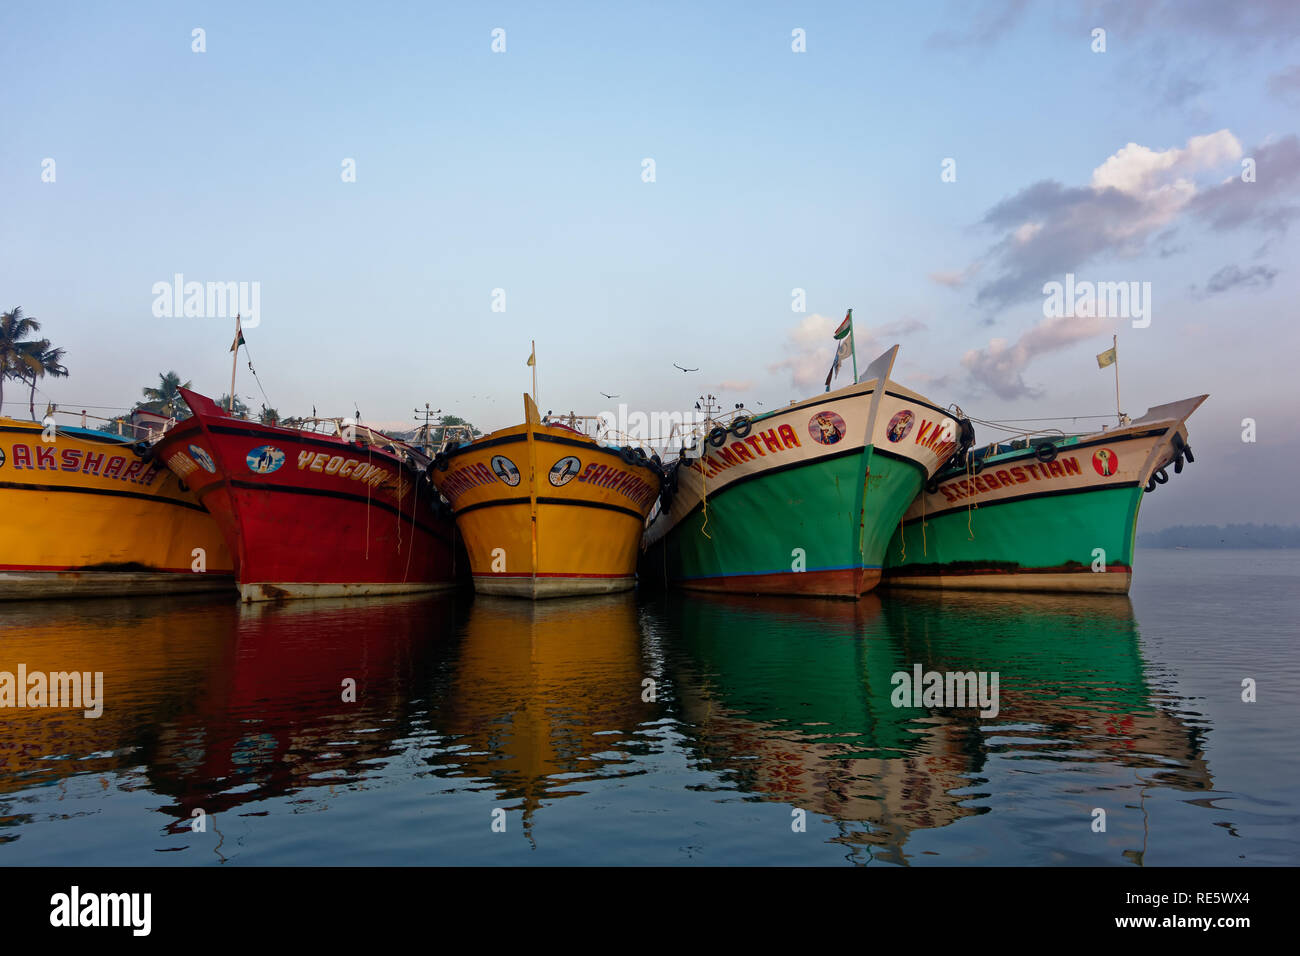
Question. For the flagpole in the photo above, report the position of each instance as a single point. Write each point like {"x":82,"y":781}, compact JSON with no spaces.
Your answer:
{"x":853,"y":347}
{"x":534,"y":371}
{"x":234,"y":364}
{"x":1114,"y":344}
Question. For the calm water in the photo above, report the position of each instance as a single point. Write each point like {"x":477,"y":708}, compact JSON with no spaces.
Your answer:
{"x":468,"y":705}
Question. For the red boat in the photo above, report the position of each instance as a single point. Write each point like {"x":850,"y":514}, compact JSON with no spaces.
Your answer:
{"x":307,"y":514}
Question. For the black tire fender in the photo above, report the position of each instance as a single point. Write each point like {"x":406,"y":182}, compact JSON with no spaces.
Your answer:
{"x":1045,"y":452}
{"x":718,"y":437}
{"x":932,"y":486}
{"x":741,"y":426}
{"x":1160,"y":477}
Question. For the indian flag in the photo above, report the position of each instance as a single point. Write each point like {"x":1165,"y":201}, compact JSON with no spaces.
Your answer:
{"x":846,"y":326}
{"x":844,"y":334}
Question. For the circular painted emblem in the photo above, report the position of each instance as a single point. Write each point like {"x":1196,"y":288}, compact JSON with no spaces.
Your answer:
{"x":505,"y":469}
{"x":203,"y":458}
{"x":564,"y":471}
{"x":265,"y":459}
{"x":900,"y":425}
{"x":2,"y":457}
{"x":1105,"y":461}
{"x":826,"y":428}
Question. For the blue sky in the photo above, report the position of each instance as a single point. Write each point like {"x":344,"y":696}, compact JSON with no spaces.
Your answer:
{"x":775,"y":170}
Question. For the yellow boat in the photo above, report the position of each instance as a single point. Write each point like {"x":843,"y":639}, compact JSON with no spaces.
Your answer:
{"x":86,"y":514}
{"x":546,"y":511}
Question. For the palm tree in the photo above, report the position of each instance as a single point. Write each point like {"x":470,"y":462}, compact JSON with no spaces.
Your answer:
{"x":238,"y":409}
{"x":269,"y":416}
{"x":14,"y":347}
{"x":41,"y":360}
{"x":166,"y":398}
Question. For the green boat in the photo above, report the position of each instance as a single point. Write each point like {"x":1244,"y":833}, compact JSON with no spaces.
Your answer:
{"x":1055,"y":514}
{"x":803,"y":499}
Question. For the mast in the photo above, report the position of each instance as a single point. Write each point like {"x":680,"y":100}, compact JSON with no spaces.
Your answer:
{"x":1114,"y":344}
{"x":234,"y":364}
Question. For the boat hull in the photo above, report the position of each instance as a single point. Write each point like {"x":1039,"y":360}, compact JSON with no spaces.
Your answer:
{"x":1024,"y":525}
{"x":545,"y":512}
{"x":87,"y":515}
{"x":312,"y":516}
{"x":797,"y":507}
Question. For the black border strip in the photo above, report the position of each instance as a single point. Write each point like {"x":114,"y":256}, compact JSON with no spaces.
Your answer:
{"x":105,"y":491}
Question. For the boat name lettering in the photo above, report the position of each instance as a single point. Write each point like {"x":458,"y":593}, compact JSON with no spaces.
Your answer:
{"x":758,"y":444}
{"x":327,"y":464}
{"x":990,"y":480}
{"x":463,"y":479}
{"x":937,"y":436}
{"x":626,"y":483}
{"x":74,"y":459}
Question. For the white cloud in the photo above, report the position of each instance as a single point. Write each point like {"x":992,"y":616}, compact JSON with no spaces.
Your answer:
{"x":1000,"y":365}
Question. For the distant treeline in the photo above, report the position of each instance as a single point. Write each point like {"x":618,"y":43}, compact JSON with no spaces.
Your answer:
{"x":1227,"y":536}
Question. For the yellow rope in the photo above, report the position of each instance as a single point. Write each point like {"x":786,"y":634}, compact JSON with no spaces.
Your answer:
{"x":970,"y":475}
{"x":924,"y":551}
{"x":704,"y":497}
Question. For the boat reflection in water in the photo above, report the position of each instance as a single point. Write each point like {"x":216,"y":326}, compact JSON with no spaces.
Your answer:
{"x":545,"y":696}
{"x":792,"y":701}
{"x":155,"y":654}
{"x":466,"y":704}
{"x":222,"y":707}
{"x":219,"y":705}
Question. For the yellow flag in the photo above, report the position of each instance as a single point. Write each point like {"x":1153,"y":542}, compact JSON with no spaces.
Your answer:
{"x":1106,"y":358}
{"x":532,"y":358}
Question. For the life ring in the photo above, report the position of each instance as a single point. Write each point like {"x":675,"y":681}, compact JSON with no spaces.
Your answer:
{"x":718,"y":437}
{"x":1160,"y":477}
{"x":1045,"y":452}
{"x":741,"y":426}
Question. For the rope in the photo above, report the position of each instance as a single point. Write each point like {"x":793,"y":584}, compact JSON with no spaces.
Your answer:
{"x":970,"y":502}
{"x":924,"y":551}
{"x":249,"y":353}
{"x":704,"y":497}
{"x":407,"y":573}
{"x":369,"y":448}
